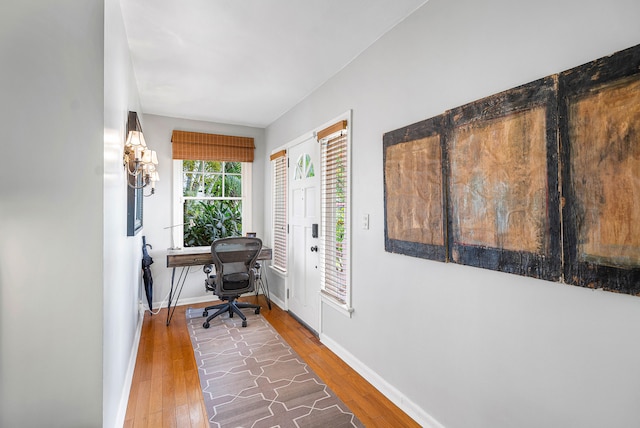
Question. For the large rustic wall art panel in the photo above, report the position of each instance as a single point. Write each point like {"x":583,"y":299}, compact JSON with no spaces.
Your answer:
{"x":503,"y":182}
{"x":600,"y":138}
{"x":482,"y":184}
{"x":414,"y":190}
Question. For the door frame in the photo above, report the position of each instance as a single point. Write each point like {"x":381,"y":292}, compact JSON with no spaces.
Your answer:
{"x":303,"y":297}
{"x":301,"y":139}
{"x":347,"y":310}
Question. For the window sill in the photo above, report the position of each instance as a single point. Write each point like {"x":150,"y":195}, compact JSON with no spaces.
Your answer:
{"x":343,"y":308}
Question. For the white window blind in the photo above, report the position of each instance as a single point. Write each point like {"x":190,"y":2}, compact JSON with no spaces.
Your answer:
{"x":334,"y":250}
{"x":279,"y":163}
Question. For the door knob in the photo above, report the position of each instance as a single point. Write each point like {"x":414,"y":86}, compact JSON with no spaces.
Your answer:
{"x":314,"y":248}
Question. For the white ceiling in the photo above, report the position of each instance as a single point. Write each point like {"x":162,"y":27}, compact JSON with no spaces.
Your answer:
{"x":247,"y":62}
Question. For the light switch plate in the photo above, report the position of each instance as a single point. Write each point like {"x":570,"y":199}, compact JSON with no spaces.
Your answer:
{"x":365,"y":221}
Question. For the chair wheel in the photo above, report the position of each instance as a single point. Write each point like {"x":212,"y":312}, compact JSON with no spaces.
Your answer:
{"x":257,"y":311}
{"x":244,"y":323}
{"x":230,"y":314}
{"x":205,"y":314}
{"x":205,"y":325}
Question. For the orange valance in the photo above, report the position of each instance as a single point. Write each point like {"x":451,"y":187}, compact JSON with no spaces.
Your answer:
{"x":277,"y":155}
{"x":329,"y":130}
{"x":212,"y":147}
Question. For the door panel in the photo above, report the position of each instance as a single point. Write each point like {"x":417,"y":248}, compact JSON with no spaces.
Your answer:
{"x":304,"y":284}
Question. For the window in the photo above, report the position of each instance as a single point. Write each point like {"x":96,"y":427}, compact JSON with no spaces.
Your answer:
{"x":335,"y":184}
{"x":279,"y":210}
{"x":212,"y":187}
{"x":304,"y":167}
{"x":212,"y":194}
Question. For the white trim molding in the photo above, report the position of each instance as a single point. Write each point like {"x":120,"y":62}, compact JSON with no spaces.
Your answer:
{"x":128,"y":379}
{"x":404,"y":403}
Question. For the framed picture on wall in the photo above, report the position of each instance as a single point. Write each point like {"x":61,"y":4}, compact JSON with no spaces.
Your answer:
{"x":600,"y":140}
{"x":414,"y":190}
{"x":503,"y":192}
{"x":134,"y":204}
{"x":135,"y":182}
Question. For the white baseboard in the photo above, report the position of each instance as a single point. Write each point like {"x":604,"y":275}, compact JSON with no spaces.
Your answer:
{"x":204,"y":299}
{"x":389,"y":391}
{"x":201,"y":299}
{"x":279,"y":303}
{"x":126,"y":388}
{"x":187,"y":301}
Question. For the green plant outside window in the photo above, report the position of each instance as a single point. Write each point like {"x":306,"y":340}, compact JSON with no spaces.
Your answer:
{"x":212,"y":208}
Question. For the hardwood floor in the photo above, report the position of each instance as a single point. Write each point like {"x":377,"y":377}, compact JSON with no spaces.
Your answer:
{"x":165,"y":391}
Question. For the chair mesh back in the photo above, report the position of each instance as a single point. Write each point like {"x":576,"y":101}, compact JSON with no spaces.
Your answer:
{"x":234,"y":258}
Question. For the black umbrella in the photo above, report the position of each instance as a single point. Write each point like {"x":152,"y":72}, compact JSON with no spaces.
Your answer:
{"x":146,"y":272}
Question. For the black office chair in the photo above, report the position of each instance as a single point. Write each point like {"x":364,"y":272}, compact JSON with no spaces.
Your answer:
{"x":234,"y":260}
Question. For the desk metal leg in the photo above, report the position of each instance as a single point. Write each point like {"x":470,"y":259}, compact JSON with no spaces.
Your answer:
{"x":178,"y":288}
{"x":264,"y":286}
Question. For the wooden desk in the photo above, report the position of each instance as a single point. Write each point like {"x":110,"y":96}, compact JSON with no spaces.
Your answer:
{"x":199,"y":256}
{"x":194,"y":256}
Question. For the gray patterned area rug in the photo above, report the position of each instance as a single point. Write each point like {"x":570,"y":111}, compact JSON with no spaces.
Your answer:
{"x":250,"y":377}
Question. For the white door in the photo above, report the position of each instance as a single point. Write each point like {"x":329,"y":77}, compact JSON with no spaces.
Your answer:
{"x":304,"y":220}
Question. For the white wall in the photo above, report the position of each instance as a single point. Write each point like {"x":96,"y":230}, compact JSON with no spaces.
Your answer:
{"x":51,"y":213}
{"x":158,"y":208}
{"x":68,"y":274}
{"x":122,"y":254}
{"x":458,"y":346}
